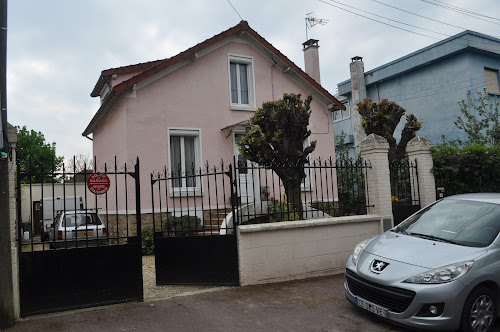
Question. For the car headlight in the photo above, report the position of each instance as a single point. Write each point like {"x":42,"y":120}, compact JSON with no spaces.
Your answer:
{"x":442,"y":275}
{"x":357,"y":251}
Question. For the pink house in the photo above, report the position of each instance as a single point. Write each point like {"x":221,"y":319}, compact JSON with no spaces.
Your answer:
{"x":192,"y":107}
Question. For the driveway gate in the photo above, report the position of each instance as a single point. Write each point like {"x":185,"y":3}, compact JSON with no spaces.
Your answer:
{"x":404,"y":189}
{"x":193,"y":242}
{"x":73,"y":271}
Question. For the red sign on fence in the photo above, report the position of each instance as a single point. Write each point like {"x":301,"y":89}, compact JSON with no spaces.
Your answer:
{"x":98,"y":183}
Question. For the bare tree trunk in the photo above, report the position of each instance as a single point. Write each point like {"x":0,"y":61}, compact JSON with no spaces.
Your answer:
{"x":292,"y":180}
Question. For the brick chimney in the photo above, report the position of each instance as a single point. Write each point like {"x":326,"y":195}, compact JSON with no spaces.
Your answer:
{"x":358,"y":93}
{"x":311,"y":59}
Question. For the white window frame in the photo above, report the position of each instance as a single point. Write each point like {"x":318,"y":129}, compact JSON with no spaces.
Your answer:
{"x":183,"y":132}
{"x":343,"y":114}
{"x":247,"y":60}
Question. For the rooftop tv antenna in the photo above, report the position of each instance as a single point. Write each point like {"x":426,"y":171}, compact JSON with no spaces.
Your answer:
{"x":311,"y":21}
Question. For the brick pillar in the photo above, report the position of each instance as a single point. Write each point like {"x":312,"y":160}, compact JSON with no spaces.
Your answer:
{"x":418,"y":149}
{"x":375,"y":149}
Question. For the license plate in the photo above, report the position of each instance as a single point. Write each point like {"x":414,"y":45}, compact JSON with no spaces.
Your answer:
{"x":372,"y":307}
{"x":83,"y":234}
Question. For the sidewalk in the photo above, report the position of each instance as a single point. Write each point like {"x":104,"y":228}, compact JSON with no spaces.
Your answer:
{"x":307,"y":305}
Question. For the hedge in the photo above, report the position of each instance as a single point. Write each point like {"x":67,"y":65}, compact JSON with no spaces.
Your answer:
{"x":466,"y":169}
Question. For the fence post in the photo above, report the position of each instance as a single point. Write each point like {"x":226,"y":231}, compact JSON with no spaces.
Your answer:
{"x":375,"y":149}
{"x":419,"y":149}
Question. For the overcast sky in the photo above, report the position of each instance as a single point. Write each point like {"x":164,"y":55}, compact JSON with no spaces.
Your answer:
{"x":58,"y":48}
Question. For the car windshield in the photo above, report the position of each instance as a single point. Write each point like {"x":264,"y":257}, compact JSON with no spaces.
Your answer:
{"x":468,"y":223}
{"x":81,"y":220}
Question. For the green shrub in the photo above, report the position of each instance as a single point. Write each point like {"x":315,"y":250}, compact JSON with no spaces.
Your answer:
{"x":183,"y":225}
{"x":147,"y":242}
{"x":282,"y":211}
{"x":466,"y":169}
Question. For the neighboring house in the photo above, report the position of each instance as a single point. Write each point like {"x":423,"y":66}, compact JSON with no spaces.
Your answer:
{"x":195,"y":106}
{"x":428,"y":83}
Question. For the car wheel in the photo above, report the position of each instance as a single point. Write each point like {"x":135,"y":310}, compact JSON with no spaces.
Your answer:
{"x":479,"y":313}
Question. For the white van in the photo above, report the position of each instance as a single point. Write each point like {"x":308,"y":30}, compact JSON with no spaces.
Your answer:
{"x":51,"y":206}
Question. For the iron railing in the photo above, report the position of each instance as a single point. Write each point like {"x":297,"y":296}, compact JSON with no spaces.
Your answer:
{"x":190,"y":203}
{"x":211,"y":200}
{"x":327,"y":189}
{"x":120,"y":218}
{"x":404,"y":183}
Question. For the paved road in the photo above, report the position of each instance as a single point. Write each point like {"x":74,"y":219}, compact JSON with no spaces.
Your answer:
{"x":309,"y":305}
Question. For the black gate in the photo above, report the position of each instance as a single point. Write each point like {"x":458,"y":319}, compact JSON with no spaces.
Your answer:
{"x":405,"y":194}
{"x":87,"y":251}
{"x":194,"y":236}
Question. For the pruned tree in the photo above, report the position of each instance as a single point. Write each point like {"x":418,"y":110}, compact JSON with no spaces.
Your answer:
{"x":36,"y":156}
{"x":382,"y":118}
{"x":277,"y":141}
{"x":481,"y":119}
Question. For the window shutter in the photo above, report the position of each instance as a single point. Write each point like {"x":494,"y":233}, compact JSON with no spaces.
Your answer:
{"x":491,"y":77}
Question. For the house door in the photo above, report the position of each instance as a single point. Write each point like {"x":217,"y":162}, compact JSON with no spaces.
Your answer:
{"x":244,"y":174}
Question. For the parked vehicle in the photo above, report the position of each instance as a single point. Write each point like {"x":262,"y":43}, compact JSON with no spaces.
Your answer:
{"x":77,"y":229}
{"x":51,"y":206}
{"x":438,"y":270}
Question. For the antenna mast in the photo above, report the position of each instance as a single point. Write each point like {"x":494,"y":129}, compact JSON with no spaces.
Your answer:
{"x":311,"y":21}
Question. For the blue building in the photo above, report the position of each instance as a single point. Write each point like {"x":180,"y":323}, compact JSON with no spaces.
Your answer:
{"x":428,"y":83}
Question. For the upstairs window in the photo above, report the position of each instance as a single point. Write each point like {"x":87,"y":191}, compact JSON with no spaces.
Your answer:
{"x":491,"y":76}
{"x":342,"y":114}
{"x":241,"y":82}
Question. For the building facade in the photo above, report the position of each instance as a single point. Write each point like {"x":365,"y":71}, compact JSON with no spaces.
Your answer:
{"x":428,"y":83}
{"x":192,"y":108}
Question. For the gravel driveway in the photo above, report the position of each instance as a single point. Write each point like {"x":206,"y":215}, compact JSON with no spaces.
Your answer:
{"x":153,"y":292}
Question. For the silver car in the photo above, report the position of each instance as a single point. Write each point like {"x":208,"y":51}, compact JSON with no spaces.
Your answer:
{"x":437,"y":270}
{"x":77,"y":228}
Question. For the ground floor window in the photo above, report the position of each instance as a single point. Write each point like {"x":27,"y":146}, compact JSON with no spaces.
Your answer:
{"x":184,"y":157}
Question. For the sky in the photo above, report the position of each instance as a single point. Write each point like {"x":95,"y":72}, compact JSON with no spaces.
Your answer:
{"x":56,"y":49}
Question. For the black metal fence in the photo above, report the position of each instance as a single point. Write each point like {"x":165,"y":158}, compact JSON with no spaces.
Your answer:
{"x":405,"y":194}
{"x":77,"y":249}
{"x":327,"y":189}
{"x":214,"y":199}
{"x":193,"y":242}
{"x":192,"y":203}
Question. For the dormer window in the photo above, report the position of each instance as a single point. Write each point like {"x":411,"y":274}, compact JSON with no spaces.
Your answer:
{"x":241,"y":83}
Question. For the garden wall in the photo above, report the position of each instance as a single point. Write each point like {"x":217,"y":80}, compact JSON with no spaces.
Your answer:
{"x":300,"y":249}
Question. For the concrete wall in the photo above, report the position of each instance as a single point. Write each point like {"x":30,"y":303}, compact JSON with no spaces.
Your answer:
{"x":300,"y":249}
{"x":307,"y":248}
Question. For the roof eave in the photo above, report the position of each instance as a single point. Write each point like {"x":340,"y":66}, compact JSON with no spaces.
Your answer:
{"x":106,"y":105}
